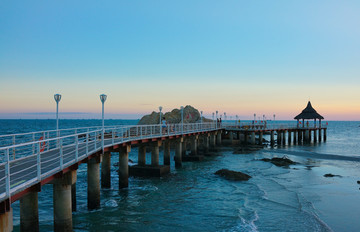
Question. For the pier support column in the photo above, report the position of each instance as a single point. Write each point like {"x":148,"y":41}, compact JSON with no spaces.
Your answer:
{"x":29,"y":212}
{"x":194,"y":140}
{"x":310,"y":135}
{"x":283,"y":138}
{"x":167,"y":152}
{"x":295,"y":140}
{"x":315,"y":135}
{"x":272,"y":138}
{"x":155,"y":153}
{"x":105,"y":170}
{"x":231,"y":136}
{"x":73,"y":197}
{"x":300,"y":137}
{"x":124,"y":166}
{"x":184,"y":147}
{"x":62,"y":201}
{"x":289,"y":137}
{"x":253,"y":138}
{"x":307,"y":135}
{"x":142,"y":155}
{"x":320,"y":135}
{"x":212,"y":141}
{"x":93,"y":180}
{"x":206,"y":143}
{"x":218,"y":138}
{"x":278,"y":137}
{"x":178,"y":152}
{"x":260,"y":138}
{"x":324,"y":134}
{"x":6,"y":217}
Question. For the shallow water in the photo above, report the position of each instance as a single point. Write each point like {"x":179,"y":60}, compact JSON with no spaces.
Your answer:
{"x":192,"y":198}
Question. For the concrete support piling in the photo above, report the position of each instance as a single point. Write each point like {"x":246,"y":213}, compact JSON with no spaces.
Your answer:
{"x":260,"y":137}
{"x":105,"y":170}
{"x":307,"y":136}
{"x":272,"y":138}
{"x":29,"y":212}
{"x":283,"y":138}
{"x":73,"y":198}
{"x":289,"y":137}
{"x":62,"y":201}
{"x":184,"y":147}
{"x":124,"y":166}
{"x":167,"y":152}
{"x":324,"y":134}
{"x":315,"y":135}
{"x":6,"y":220}
{"x":212,"y":141}
{"x":278,"y":137}
{"x":206,"y":143}
{"x":142,"y":155}
{"x":218,"y":138}
{"x":231,"y":136}
{"x":253,"y":138}
{"x":93,"y":180}
{"x":194,"y":146}
{"x":320,"y":135}
{"x":155,"y":153}
{"x":178,"y":152}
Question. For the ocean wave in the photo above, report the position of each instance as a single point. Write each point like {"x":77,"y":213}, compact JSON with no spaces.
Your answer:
{"x":316,"y":155}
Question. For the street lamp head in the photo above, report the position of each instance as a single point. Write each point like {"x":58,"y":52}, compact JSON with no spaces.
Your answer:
{"x":160,"y":108}
{"x":103,"y":98}
{"x":181,"y":107}
{"x":57,"y":97}
{"x":201,"y":112}
{"x":217,"y":112}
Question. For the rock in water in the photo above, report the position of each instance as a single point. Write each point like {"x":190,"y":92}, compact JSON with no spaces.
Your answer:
{"x":280,"y":162}
{"x":331,"y":175}
{"x":232,"y":175}
{"x":191,"y":115}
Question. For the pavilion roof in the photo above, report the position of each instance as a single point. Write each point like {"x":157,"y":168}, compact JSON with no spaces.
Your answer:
{"x":309,"y":113}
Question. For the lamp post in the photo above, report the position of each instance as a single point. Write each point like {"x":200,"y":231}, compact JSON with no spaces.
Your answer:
{"x":274,"y":117}
{"x":182,"y":119}
{"x":213,"y":116}
{"x":225,"y":115}
{"x":254,"y":117}
{"x":160,"y":108}
{"x":103,"y":99}
{"x":201,"y":112}
{"x":57,"y":98}
{"x":216,"y":119}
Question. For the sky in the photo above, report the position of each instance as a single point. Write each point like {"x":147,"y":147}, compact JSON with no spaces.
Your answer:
{"x":239,"y":57}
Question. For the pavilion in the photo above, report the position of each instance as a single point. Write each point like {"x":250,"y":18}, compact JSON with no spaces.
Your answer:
{"x":309,"y":113}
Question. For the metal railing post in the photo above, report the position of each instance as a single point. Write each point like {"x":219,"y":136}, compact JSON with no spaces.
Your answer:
{"x":38,"y":161}
{"x":7,"y":173}
{"x":76,"y":148}
{"x":14,"y":147}
{"x":95,"y":139}
{"x":33,"y":145}
{"x":48,"y":136}
{"x":61,"y":154}
{"x":113,"y":136}
{"x":87,"y":142}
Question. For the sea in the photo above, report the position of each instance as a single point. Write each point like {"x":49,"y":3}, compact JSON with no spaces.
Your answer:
{"x":193,"y":198}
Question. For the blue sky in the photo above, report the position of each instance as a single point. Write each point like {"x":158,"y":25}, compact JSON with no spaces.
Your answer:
{"x":235,"y":56}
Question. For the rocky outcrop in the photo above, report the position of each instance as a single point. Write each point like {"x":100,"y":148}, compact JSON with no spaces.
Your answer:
{"x":331,"y":175}
{"x":232,"y":175}
{"x":191,"y":115}
{"x":280,"y":162}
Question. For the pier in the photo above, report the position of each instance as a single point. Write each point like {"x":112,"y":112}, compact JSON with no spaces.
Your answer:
{"x":30,"y":160}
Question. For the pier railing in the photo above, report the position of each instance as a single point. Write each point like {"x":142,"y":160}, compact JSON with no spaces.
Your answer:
{"x":269,"y":126}
{"x":25,"y":164}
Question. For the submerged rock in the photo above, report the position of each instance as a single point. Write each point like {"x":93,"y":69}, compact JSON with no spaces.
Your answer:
{"x":331,"y":175}
{"x":280,"y":162}
{"x":232,"y":175}
{"x":358,"y":181}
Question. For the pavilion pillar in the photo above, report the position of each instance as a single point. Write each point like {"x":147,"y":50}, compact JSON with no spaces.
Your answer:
{"x":283,"y":137}
{"x":272,"y":138}
{"x":278,"y":137}
{"x":320,"y":134}
{"x":324,"y":134}
{"x":307,"y":135}
{"x":295,"y":134}
{"x":315,"y":135}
